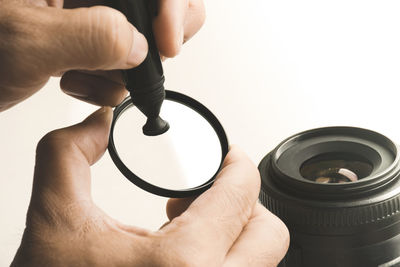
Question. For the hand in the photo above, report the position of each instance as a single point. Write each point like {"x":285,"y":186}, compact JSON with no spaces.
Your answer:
{"x":223,"y":226}
{"x":39,"y":39}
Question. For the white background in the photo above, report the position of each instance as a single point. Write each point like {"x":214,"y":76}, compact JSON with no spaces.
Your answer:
{"x":267,"y":69}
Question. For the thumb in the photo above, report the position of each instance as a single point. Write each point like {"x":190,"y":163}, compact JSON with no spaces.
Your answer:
{"x":223,"y":210}
{"x":64,"y":157}
{"x":88,"y":38}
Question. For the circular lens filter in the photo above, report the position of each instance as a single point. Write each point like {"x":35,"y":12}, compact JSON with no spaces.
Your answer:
{"x":181,"y":162}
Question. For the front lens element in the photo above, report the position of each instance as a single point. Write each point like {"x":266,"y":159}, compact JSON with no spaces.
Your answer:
{"x":336,"y":168}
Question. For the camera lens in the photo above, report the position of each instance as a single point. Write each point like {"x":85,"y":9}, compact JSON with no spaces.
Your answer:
{"x":336,"y":168}
{"x":338,"y":191}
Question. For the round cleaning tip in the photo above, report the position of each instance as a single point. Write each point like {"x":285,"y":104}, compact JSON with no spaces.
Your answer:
{"x":155,"y":126}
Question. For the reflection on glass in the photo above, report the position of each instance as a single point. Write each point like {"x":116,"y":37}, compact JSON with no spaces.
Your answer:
{"x":186,"y":156}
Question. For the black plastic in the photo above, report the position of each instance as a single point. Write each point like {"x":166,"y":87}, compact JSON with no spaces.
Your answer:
{"x":142,"y":183}
{"x":353,"y":224}
{"x":145,"y":82}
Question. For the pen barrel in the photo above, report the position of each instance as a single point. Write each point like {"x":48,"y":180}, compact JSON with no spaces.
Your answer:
{"x":146,"y":81}
{"x":140,"y":13}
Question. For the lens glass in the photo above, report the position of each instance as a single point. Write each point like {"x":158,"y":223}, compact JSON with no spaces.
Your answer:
{"x":186,"y":156}
{"x":336,"y":168}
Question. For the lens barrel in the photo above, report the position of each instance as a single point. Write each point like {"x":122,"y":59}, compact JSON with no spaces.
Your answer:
{"x":338,"y":191}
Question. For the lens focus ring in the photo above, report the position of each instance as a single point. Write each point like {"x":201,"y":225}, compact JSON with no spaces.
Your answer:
{"x":341,"y":217}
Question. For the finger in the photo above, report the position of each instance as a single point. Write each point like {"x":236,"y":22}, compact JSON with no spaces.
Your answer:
{"x":177,"y":21}
{"x":194,"y":19}
{"x":176,"y":206}
{"x":263,"y":241}
{"x":63,"y":157}
{"x":94,"y":87}
{"x":113,"y":75}
{"x":168,"y":26}
{"x":84,"y":38}
{"x":222,"y":211}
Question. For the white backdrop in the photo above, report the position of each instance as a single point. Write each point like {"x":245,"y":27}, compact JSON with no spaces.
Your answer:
{"x":268,"y":69}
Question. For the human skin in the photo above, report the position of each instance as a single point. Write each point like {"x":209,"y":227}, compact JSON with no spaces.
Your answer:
{"x":86,"y":46}
{"x":224,"y":226}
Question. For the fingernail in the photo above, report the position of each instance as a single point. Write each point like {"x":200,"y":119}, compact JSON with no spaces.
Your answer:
{"x":139,"y":49}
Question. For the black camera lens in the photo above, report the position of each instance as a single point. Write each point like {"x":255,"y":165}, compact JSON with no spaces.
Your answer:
{"x":338,"y":191}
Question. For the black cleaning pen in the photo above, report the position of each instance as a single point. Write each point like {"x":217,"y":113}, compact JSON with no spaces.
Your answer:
{"x":146,"y":81}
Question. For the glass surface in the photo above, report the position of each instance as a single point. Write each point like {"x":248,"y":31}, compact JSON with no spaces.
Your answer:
{"x":186,"y":156}
{"x":336,"y":168}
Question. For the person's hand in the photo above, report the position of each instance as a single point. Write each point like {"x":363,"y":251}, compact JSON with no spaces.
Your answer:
{"x":39,"y":39}
{"x":224,"y":226}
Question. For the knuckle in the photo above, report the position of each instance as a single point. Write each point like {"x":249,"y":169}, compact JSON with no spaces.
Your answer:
{"x":238,"y":206}
{"x":280,"y":232}
{"x":239,"y":199}
{"x":108,"y":30}
{"x":53,"y":143}
{"x":48,"y":141}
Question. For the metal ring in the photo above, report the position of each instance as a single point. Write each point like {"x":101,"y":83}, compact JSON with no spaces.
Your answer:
{"x":194,"y":105}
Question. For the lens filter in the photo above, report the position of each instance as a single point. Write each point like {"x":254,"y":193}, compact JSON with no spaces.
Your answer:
{"x":181,"y":162}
